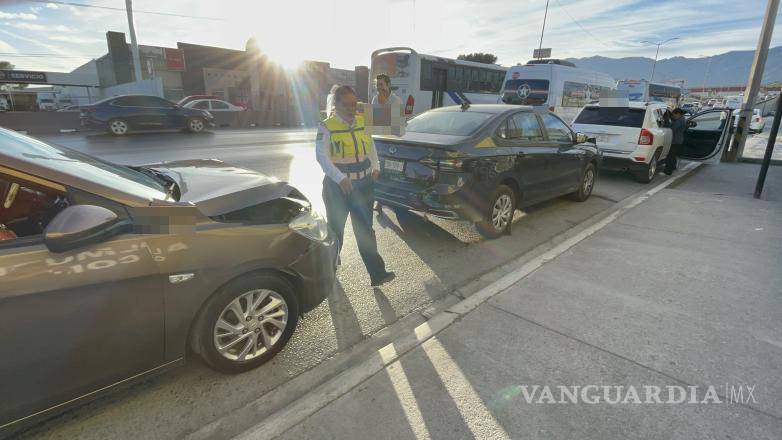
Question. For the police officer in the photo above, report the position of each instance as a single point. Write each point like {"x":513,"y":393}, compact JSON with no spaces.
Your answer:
{"x":348,"y":158}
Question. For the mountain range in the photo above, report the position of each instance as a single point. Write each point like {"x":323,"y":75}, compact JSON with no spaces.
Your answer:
{"x":727,"y":69}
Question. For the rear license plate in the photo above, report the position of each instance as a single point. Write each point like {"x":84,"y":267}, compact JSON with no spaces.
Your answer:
{"x":397,"y":166}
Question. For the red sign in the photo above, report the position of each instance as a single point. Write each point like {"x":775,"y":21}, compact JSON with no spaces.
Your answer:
{"x":175,"y":59}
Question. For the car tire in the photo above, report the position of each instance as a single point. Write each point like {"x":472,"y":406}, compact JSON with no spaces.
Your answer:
{"x":499,"y":213}
{"x":646,"y":175}
{"x":230,"y":329}
{"x":118,"y":127}
{"x":586,"y":184}
{"x":195,"y":125}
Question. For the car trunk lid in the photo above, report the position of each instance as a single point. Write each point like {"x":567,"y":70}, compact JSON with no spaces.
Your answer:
{"x":412,"y":159}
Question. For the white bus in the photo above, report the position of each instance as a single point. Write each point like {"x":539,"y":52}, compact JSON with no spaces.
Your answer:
{"x":557,"y":85}
{"x":645,"y":91}
{"x":425,"y":81}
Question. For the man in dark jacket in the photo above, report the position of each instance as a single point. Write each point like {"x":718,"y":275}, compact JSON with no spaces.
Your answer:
{"x":678,"y":125}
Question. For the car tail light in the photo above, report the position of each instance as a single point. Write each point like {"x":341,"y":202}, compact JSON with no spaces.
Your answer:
{"x":646,"y":137}
{"x":552,"y":108}
{"x":410,"y":104}
{"x":445,"y":164}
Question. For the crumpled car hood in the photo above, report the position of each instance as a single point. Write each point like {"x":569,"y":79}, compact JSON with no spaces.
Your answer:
{"x":217,"y":188}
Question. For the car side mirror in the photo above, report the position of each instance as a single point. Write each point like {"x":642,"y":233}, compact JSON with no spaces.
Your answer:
{"x":82,"y":225}
{"x":582,"y":138}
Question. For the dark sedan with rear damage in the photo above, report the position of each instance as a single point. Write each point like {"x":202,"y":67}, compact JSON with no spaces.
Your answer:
{"x":482,"y":162}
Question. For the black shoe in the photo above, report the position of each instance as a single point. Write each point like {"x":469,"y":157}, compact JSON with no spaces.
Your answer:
{"x":383,"y":278}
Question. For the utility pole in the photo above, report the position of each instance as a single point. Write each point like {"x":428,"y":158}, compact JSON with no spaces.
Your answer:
{"x":133,"y":44}
{"x":545,"y":15}
{"x":658,"y":44}
{"x":753,"y":86}
{"x":772,"y":137}
{"x":706,"y":77}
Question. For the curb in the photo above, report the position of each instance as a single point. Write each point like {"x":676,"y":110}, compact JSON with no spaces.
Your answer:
{"x":299,"y":410}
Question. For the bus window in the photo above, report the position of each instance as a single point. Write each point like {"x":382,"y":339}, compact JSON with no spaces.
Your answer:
{"x":574,"y":94}
{"x":526,"y":91}
{"x":426,"y":75}
{"x":395,"y":65}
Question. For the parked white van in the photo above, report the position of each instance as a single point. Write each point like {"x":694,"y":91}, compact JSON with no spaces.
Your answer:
{"x":556,"y":85}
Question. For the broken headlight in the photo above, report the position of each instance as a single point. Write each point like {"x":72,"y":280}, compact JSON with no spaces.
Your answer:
{"x":311,"y":225}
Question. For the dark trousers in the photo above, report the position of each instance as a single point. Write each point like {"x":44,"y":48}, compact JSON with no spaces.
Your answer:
{"x":672,"y":158}
{"x":359,"y":205}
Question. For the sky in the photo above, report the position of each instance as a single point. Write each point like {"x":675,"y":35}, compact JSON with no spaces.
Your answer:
{"x":36,"y":35}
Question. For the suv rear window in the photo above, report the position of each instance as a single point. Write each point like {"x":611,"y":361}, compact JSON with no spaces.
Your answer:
{"x":616,"y":116}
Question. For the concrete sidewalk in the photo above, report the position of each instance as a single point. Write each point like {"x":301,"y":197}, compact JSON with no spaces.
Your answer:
{"x":682,"y":290}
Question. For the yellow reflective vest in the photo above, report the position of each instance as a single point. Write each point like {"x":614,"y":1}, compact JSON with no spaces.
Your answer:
{"x":350,"y":147}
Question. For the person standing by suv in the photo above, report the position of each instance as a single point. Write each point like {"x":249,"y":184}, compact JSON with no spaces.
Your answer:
{"x":678,"y":126}
{"x":348,"y":158}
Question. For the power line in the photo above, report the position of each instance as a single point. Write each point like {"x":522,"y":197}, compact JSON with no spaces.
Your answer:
{"x":136,"y":11}
{"x":579,"y":24}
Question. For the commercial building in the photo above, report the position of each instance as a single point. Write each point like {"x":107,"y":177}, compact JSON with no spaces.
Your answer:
{"x":247,"y":78}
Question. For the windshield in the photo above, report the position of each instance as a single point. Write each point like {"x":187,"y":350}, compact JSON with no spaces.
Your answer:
{"x":525,"y":91}
{"x":616,"y":116}
{"x":80,"y":165}
{"x":455,"y":123}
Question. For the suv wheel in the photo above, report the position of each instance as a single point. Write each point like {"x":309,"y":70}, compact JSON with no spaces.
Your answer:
{"x":502,"y":207}
{"x":118,"y":127}
{"x":646,"y":175}
{"x":588,"y":178}
{"x":247,"y":323}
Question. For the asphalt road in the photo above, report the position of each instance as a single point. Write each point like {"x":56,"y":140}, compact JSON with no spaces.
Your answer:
{"x":431,"y":261}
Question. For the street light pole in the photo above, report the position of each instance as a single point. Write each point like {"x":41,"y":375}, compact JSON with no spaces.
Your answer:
{"x":133,"y":44}
{"x":545,"y":15}
{"x":753,"y":85}
{"x":706,"y":77}
{"x":658,"y":44}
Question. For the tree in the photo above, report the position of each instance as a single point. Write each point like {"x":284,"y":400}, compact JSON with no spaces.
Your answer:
{"x":6,"y":65}
{"x":479,"y":57}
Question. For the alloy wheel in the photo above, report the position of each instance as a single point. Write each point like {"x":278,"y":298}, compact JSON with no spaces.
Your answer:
{"x":653,"y":168}
{"x":589,"y":181}
{"x":196,"y":125}
{"x":250,"y":325}
{"x":118,"y":127}
{"x":501,"y":212}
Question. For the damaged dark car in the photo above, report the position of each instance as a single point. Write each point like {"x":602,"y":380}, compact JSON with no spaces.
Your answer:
{"x":480,"y":163}
{"x":109,"y":273}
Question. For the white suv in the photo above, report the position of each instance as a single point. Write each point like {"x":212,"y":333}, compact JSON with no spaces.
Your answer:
{"x":632,"y":137}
